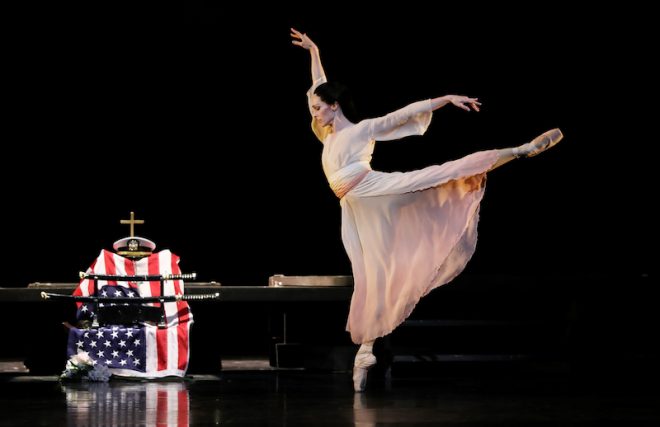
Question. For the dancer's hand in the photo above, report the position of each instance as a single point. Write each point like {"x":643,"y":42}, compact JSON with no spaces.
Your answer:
{"x":301,"y":39}
{"x":464,"y":102}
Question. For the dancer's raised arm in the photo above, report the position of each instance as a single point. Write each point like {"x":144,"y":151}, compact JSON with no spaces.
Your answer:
{"x":302,"y":40}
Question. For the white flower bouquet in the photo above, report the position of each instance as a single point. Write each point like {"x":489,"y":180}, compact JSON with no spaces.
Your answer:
{"x":81,"y":366}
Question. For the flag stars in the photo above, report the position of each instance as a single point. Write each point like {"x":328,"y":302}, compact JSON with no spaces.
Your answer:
{"x":115,"y":346}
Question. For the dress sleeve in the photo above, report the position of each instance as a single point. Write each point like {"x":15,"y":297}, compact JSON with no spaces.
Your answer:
{"x":412,"y":119}
{"x":318,"y":130}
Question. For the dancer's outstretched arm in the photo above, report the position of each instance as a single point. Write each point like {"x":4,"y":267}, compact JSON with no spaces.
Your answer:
{"x":463,"y":102}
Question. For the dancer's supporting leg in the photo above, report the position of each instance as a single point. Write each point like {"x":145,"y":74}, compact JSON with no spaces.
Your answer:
{"x":364,"y":359}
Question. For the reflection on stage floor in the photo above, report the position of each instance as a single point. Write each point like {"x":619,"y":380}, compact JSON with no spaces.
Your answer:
{"x":255,"y":394}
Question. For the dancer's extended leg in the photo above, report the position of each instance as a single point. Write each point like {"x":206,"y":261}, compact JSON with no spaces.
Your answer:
{"x":536,"y":146}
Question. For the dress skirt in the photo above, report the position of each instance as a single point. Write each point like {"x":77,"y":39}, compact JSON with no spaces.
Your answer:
{"x":407,"y":233}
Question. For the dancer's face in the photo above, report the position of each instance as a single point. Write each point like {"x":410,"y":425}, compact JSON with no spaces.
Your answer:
{"x":322,"y":112}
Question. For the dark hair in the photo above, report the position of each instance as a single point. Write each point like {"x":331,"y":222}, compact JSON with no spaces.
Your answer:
{"x":331,"y":92}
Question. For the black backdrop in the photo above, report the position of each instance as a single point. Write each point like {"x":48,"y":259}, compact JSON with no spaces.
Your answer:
{"x":197,"y":121}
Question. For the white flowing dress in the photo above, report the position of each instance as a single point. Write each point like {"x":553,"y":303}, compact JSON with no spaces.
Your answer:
{"x":405,"y":233}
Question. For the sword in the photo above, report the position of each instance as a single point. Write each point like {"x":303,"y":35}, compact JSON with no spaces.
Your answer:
{"x":138,"y":278}
{"x":134,"y":300}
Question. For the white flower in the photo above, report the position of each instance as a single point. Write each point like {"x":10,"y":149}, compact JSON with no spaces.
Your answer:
{"x":81,"y":358}
{"x":81,"y":366}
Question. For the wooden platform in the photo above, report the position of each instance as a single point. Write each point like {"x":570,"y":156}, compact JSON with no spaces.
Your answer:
{"x":583,"y":321}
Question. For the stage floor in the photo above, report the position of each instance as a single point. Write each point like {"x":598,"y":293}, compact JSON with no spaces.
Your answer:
{"x":251,"y":393}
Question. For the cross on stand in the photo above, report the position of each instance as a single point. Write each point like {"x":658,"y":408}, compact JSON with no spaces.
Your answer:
{"x":132,"y":223}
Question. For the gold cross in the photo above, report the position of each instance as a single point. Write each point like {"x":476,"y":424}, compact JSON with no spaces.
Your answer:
{"x":132,"y":223}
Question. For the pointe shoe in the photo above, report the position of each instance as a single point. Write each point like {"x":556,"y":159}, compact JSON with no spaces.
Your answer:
{"x":363,"y":362}
{"x":539,"y":144}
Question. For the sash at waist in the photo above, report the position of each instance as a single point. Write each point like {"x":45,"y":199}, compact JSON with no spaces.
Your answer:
{"x":346,"y":178}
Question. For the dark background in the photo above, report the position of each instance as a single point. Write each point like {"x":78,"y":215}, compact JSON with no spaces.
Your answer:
{"x":196,"y":120}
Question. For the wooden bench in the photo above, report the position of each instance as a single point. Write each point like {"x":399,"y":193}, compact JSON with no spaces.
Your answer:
{"x":586,"y":321}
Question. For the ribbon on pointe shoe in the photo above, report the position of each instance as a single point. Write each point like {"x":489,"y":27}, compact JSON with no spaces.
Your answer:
{"x":363,"y":362}
{"x":539,"y":144}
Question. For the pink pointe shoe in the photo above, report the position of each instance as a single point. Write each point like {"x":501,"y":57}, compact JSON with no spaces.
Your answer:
{"x":363,"y":362}
{"x":539,"y":144}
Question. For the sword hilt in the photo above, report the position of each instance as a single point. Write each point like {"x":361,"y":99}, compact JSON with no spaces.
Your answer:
{"x":198,"y":297}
